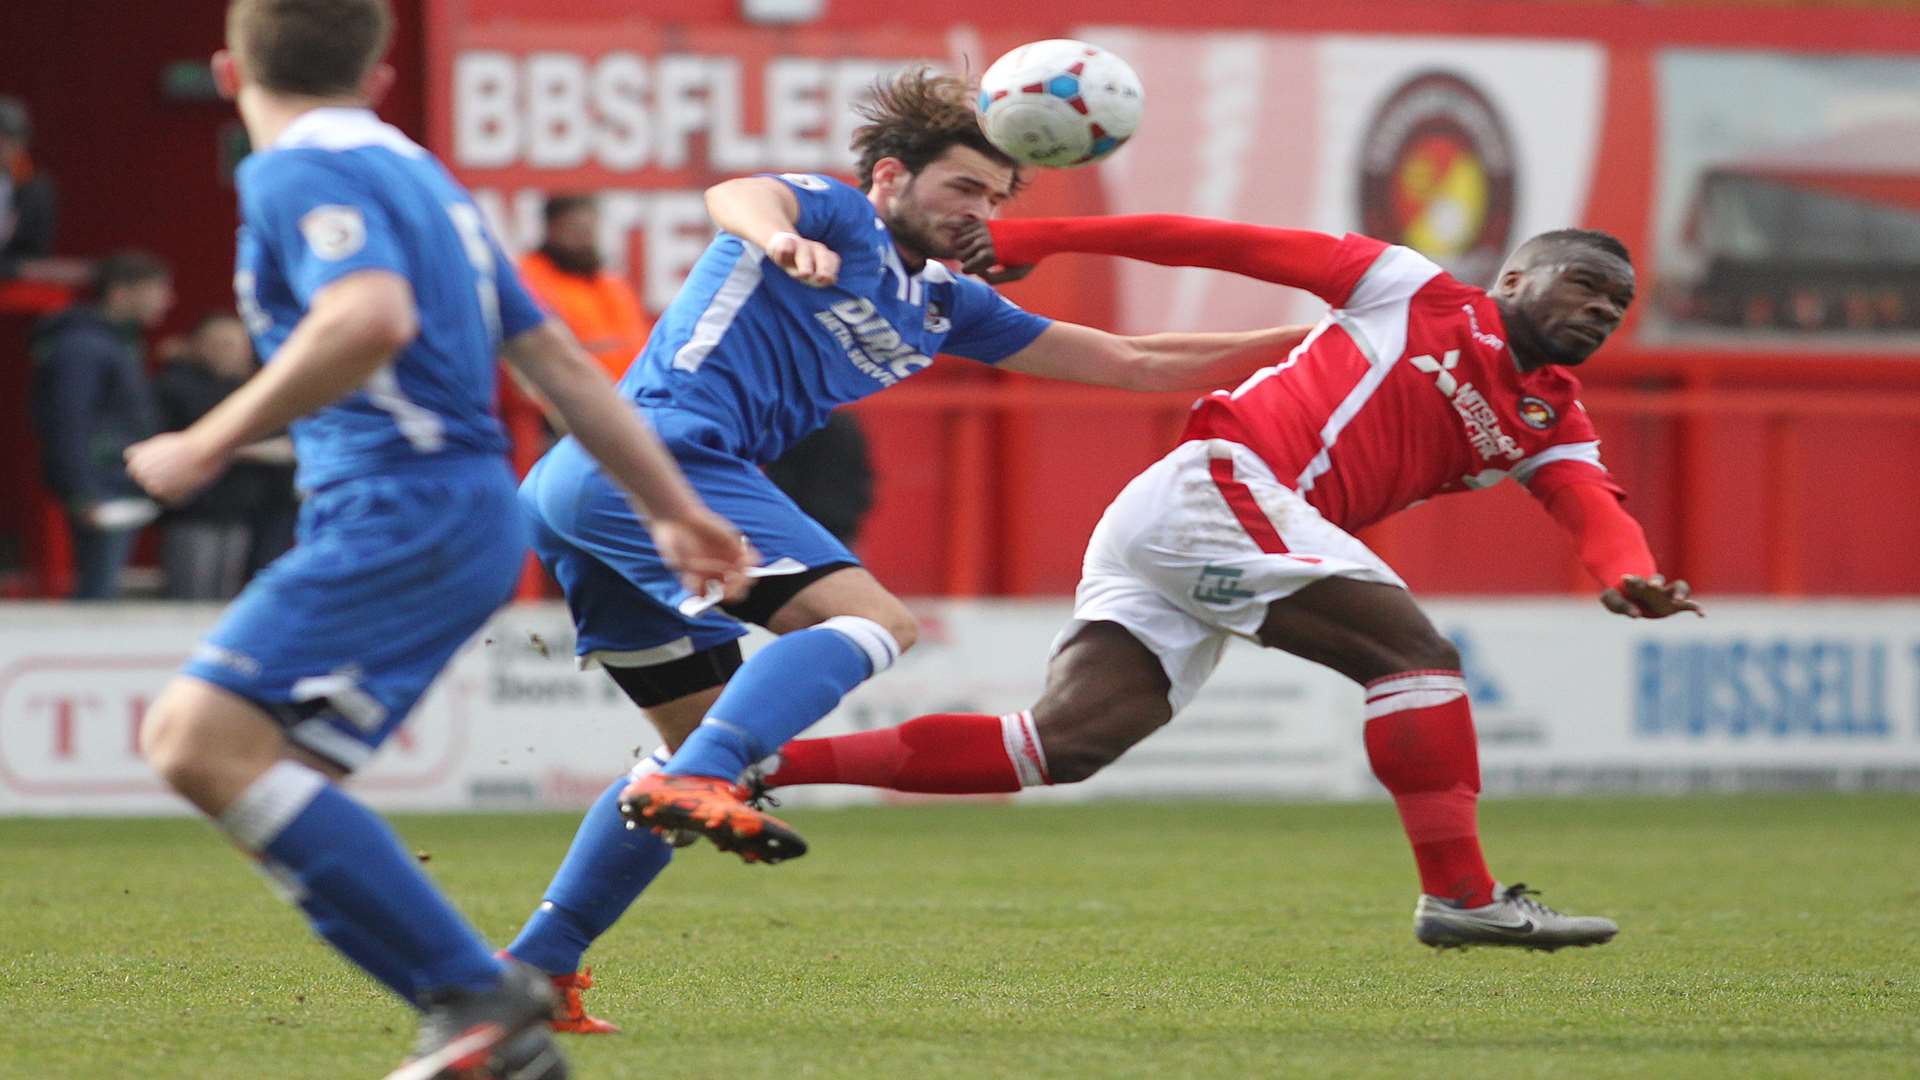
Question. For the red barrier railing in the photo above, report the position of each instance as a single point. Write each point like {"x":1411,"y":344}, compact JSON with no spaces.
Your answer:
{"x":958,"y":421}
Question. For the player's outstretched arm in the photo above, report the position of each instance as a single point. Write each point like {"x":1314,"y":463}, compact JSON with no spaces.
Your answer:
{"x":1083,"y":354}
{"x":694,"y":540}
{"x":1296,"y":258}
{"x":1611,"y":544}
{"x":764,"y":213}
{"x":353,"y":327}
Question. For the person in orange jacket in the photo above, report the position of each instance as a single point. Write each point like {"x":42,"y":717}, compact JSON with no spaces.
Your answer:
{"x":568,"y":275}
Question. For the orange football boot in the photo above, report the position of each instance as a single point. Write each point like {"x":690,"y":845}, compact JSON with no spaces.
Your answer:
{"x":570,"y":1013}
{"x":716,"y":809}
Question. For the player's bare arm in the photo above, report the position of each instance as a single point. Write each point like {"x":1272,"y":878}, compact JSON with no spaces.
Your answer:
{"x":693,"y":539}
{"x":763,"y":212}
{"x":354,"y":326}
{"x":1149,"y":362}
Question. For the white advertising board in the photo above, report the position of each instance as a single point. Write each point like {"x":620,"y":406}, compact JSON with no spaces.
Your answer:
{"x":1567,"y":699}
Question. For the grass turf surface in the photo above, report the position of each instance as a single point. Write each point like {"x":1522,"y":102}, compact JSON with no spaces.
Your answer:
{"x":1760,"y":937}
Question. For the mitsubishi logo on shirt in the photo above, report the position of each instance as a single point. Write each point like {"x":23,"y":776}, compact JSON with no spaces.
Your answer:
{"x":1483,"y":426}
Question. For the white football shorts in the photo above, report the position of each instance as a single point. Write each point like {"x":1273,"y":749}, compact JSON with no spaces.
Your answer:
{"x":1192,"y":551}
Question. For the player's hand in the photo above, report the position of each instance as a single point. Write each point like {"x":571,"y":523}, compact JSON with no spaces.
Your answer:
{"x":704,"y":549}
{"x":1649,"y":598}
{"x":809,"y":262}
{"x":174,"y":467}
{"x":973,"y":246}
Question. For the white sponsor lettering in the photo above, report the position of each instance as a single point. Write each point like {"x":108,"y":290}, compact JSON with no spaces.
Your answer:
{"x":871,"y":342}
{"x":1483,"y":424}
{"x":624,"y":110}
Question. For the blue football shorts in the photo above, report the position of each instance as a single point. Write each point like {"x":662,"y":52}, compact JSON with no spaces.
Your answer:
{"x":624,"y":599}
{"x":340,"y":637}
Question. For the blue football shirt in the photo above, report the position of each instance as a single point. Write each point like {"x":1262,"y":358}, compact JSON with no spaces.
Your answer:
{"x":760,"y":359}
{"x":341,"y":192}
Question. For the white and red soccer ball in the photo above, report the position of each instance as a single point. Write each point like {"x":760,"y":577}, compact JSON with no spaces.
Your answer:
{"x":1059,"y":102}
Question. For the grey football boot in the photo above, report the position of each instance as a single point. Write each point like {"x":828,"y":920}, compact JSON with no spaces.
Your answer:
{"x":495,"y":1034}
{"x":1513,"y":918}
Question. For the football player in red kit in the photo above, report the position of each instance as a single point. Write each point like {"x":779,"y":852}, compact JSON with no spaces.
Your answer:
{"x":1414,"y":385}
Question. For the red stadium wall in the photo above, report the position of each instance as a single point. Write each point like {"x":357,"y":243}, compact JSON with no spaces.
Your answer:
{"x":134,"y":170}
{"x":1754,"y":471}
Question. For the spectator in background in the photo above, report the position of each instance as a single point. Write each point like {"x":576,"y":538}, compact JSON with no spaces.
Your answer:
{"x":26,"y":198}
{"x":567,"y":274}
{"x":90,"y":401}
{"x":205,"y":551}
{"x":829,"y":475}
{"x":27,"y":208}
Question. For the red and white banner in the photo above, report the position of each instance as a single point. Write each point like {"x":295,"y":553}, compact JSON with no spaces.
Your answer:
{"x":1566,"y":699}
{"x":1772,"y":196}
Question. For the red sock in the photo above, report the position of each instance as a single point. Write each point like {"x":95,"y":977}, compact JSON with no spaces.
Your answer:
{"x":1421,"y":743}
{"x":946,"y":754}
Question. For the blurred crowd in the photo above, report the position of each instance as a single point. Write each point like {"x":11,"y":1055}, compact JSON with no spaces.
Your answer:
{"x":105,"y":375}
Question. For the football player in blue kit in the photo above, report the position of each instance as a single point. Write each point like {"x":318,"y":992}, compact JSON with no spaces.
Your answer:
{"x":381,"y":305}
{"x":814,"y":294}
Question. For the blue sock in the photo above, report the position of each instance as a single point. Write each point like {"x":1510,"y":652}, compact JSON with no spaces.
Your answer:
{"x":326,"y":846}
{"x":605,"y":871}
{"x":781,"y":691}
{"x":359,"y":946}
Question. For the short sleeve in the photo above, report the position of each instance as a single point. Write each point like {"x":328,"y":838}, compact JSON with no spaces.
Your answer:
{"x":318,"y":222}
{"x":988,"y":326}
{"x":831,"y":211}
{"x":1365,"y":272}
{"x":519,"y":311}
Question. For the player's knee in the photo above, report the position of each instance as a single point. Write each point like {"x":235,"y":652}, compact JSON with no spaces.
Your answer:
{"x":896,"y":620}
{"x":889,"y":615}
{"x":174,"y":748}
{"x":1072,"y":758}
{"x":1430,"y":652}
{"x":1075,"y":743}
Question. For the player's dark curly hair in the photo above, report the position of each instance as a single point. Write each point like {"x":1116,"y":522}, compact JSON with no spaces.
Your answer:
{"x":316,"y":48}
{"x":916,"y":116}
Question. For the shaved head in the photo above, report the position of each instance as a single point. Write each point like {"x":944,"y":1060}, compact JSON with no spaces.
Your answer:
{"x":1556,"y":246}
{"x":1563,"y":293}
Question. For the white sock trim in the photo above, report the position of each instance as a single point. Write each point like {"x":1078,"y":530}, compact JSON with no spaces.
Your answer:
{"x":1412,"y":699}
{"x":650,"y":764}
{"x":1422,"y":680}
{"x":270,"y":804}
{"x":1022,"y":743}
{"x":872,"y":638}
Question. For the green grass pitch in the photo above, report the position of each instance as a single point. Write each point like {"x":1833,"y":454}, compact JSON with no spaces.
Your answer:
{"x":1760,"y":937}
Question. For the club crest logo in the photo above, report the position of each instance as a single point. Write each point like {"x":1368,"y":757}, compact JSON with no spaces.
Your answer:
{"x":334,"y":232}
{"x":1437,"y":174}
{"x":1537,"y":414}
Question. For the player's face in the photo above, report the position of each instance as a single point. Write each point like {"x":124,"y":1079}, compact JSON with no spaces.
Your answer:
{"x":957,"y":188}
{"x":1574,"y":301}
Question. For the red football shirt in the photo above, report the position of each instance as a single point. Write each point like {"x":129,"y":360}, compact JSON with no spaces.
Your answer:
{"x":1406,"y":390}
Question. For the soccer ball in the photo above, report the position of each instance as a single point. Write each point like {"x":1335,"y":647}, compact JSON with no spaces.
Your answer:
{"x":1059,"y":102}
